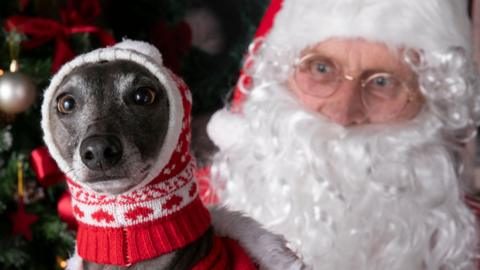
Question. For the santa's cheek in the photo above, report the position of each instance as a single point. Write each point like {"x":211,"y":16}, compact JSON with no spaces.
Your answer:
{"x":412,"y":110}
{"x":311,"y":103}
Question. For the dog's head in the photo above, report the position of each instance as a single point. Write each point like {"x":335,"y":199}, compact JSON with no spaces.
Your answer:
{"x":109,"y":121}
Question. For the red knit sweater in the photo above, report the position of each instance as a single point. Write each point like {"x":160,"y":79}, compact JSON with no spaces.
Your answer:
{"x":140,"y":225}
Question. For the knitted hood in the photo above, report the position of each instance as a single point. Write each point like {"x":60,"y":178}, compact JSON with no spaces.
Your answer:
{"x":164,"y":212}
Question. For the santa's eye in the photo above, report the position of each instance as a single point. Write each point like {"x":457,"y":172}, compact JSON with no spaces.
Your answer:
{"x":322,"y":70}
{"x":383,"y":85}
{"x":66,"y":104}
{"x":322,"y":67}
{"x":382,"y":81}
{"x":144,"y":96}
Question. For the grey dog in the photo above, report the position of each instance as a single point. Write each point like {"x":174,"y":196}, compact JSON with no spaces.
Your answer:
{"x":118,"y":136}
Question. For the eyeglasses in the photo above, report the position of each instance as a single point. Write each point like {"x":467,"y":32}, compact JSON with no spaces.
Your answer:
{"x":381,"y":92}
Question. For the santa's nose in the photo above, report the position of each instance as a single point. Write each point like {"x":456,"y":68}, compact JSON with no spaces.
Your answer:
{"x":101,"y":152}
{"x":346,"y":107}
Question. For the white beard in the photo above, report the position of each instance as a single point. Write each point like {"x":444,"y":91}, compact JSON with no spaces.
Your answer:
{"x":368,"y":198}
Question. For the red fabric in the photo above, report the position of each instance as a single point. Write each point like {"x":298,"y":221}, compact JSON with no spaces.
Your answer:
{"x":238,"y":258}
{"x":226,"y":254}
{"x":48,"y":174}
{"x":474,"y":205}
{"x":81,"y":11}
{"x":206,"y":192}
{"x":262,"y":31}
{"x":130,"y":245}
{"x":76,"y":18}
{"x":45,"y":167}
{"x":268,"y":18}
{"x":64,"y":210}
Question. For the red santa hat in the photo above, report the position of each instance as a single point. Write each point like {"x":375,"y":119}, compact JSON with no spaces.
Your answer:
{"x":428,"y":25}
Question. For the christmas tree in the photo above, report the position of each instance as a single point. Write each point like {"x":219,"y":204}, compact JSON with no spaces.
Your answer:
{"x":202,"y":40}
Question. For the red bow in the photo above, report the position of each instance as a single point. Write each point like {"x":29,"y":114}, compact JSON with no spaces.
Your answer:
{"x":49,"y":174}
{"x":45,"y":167}
{"x":74,"y":20}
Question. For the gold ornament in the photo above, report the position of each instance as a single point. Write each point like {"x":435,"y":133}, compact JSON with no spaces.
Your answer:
{"x":17,"y":91}
{"x":5,"y":118}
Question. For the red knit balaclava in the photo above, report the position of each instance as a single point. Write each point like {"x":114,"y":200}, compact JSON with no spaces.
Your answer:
{"x":164,"y":212}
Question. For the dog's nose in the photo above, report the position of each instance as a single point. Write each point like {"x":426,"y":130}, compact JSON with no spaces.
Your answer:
{"x":101,"y":152}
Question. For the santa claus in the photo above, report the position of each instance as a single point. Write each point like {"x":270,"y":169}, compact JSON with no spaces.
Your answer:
{"x":348,"y":139}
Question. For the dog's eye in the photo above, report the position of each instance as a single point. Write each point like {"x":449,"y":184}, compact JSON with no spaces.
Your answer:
{"x":65,"y":104}
{"x":144,"y":96}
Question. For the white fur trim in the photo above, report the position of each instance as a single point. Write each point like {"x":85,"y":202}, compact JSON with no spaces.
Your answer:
{"x":421,"y":24}
{"x":225,"y":128}
{"x":127,"y":50}
{"x":269,"y":250}
{"x":143,"y":48}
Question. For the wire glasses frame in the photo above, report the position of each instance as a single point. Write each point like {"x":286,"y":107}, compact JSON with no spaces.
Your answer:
{"x":381,"y":92}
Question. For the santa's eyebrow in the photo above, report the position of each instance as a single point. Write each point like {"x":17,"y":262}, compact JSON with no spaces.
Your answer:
{"x":399,"y":73}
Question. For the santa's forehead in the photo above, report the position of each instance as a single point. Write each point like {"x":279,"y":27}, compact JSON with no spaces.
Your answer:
{"x":352,"y":54}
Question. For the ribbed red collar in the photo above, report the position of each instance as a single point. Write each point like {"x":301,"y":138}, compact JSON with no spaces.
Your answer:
{"x":159,"y":218}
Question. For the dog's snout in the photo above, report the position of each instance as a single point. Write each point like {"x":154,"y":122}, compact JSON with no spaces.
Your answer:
{"x":101,"y":152}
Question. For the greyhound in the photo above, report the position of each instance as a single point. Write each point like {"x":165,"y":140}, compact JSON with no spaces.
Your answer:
{"x":108,"y":119}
